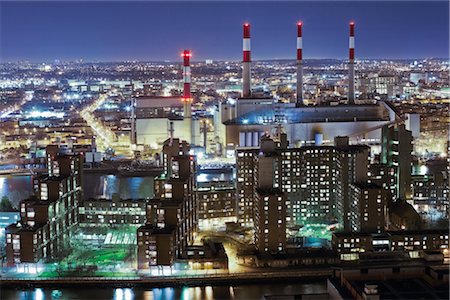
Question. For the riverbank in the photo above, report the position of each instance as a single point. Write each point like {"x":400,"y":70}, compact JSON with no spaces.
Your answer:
{"x":172,"y":281}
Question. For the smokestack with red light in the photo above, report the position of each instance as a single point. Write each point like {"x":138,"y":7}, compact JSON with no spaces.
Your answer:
{"x":351,"y":65}
{"x":187,"y":97}
{"x":246,"y":62}
{"x":299,"y":65}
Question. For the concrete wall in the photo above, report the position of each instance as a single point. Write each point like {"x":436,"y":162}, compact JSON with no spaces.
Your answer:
{"x":155,"y":131}
{"x":306,"y":131}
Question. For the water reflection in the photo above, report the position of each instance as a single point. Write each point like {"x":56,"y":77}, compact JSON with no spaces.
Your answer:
{"x":207,"y":177}
{"x":123,"y":294}
{"x":169,"y":293}
{"x":104,"y":186}
{"x":18,"y":188}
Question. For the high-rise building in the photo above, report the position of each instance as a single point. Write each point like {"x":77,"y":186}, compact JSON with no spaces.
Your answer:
{"x":396,"y":153}
{"x":48,"y":220}
{"x":216,"y":204}
{"x":368,"y":208}
{"x":432,"y":189}
{"x":269,"y":200}
{"x":382,"y":175}
{"x":270,"y":220}
{"x":172,"y":213}
{"x":315,"y":179}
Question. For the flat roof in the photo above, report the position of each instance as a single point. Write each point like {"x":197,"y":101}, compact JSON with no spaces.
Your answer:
{"x":308,"y":114}
{"x":410,"y":288}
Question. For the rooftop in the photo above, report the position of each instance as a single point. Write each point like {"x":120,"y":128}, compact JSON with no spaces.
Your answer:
{"x":250,"y":114}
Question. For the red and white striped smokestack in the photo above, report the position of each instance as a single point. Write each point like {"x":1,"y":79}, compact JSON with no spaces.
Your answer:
{"x":299,"y":64}
{"x":246,"y":62}
{"x":187,"y":97}
{"x":351,"y":65}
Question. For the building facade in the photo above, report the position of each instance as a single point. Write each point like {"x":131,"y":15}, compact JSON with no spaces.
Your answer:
{"x":106,"y":212}
{"x":368,"y":209}
{"x":216,"y":204}
{"x":350,"y":245}
{"x":48,"y":220}
{"x":397,"y":143}
{"x":171,"y":216}
{"x":315,"y":180}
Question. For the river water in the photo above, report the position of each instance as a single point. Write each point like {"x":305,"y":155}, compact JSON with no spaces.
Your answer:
{"x":17,"y":188}
{"x":245,"y":292}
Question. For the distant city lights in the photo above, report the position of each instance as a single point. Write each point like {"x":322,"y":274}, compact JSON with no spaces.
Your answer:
{"x":44,"y":114}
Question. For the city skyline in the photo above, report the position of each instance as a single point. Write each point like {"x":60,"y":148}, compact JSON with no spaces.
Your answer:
{"x":189,"y":150}
{"x":155,"y":31}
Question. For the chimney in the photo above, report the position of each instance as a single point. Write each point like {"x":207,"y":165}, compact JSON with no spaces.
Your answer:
{"x":246,"y":61}
{"x":187,"y":97}
{"x":299,"y":65}
{"x":351,"y":65}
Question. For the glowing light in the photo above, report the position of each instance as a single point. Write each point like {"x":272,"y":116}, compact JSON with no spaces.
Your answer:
{"x":186,"y":54}
{"x":299,"y":23}
{"x":168,"y":293}
{"x":423,"y":170}
{"x":209,"y":292}
{"x":118,"y":294}
{"x":231,"y":101}
{"x":45,"y":114}
{"x":185,"y":294}
{"x":39,"y":294}
{"x":129,"y":294}
{"x":200,"y":155}
{"x":245,"y":121}
{"x":202,"y":177}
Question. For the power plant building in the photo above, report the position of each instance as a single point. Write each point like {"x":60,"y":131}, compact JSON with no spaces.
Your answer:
{"x":156,"y":118}
{"x":246,"y":119}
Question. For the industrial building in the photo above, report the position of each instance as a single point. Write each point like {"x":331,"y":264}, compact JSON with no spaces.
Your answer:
{"x":247,"y":118}
{"x":155,"y":118}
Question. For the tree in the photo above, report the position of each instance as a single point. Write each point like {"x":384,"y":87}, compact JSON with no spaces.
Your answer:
{"x":5,"y":204}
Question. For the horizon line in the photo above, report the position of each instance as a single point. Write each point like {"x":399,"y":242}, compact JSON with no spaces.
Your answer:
{"x":203,"y":60}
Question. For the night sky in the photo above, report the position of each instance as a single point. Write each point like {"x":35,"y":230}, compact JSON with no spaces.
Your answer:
{"x":112,"y":31}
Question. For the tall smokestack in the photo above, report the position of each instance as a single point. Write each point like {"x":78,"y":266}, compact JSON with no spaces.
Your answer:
{"x":246,"y":61}
{"x":299,"y":65}
{"x":187,"y":98}
{"x":351,"y":65}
